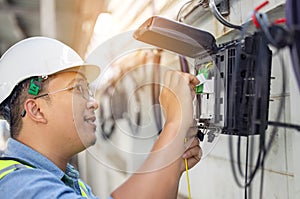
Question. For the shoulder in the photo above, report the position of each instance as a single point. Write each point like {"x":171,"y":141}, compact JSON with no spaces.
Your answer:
{"x":34,"y":183}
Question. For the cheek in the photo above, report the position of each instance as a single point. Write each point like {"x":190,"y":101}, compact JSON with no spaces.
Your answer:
{"x":62,"y":113}
{"x":78,"y":108}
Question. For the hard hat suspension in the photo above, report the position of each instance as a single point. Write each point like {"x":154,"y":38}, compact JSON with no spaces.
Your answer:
{"x":35,"y":86}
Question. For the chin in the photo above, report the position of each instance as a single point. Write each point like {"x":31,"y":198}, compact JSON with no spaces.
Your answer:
{"x":87,"y":136}
{"x":93,"y":141}
{"x":89,"y":141}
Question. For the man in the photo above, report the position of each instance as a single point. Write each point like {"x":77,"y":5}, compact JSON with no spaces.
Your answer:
{"x":45,"y":97}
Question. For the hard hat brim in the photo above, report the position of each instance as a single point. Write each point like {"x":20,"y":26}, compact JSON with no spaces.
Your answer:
{"x":39,"y":56}
{"x":91,"y":72}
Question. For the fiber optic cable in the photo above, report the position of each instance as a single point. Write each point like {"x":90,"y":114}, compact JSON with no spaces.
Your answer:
{"x":187,"y":175}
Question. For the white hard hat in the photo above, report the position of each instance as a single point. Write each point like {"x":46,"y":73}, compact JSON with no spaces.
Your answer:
{"x":39,"y":56}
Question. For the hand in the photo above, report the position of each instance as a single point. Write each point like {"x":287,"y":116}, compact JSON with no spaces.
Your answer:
{"x":193,"y":153}
{"x":177,"y":97}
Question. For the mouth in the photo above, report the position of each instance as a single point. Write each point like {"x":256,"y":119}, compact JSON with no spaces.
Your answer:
{"x":90,"y":120}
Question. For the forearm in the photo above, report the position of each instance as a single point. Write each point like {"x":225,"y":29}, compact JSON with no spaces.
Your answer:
{"x":160,"y":174}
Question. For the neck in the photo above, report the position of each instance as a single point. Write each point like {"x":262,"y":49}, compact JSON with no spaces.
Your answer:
{"x":54,"y":153}
{"x":60,"y":161}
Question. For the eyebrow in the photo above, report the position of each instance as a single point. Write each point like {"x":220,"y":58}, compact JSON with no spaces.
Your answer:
{"x":78,"y":79}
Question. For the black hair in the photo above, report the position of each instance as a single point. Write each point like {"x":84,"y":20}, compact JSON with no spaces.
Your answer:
{"x":12,"y":108}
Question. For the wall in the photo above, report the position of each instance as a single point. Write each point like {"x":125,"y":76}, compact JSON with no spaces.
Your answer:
{"x":213,"y":177}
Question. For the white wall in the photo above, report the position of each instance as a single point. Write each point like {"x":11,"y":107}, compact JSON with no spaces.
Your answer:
{"x":213,"y":178}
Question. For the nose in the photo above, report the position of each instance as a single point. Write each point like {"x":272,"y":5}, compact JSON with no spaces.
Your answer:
{"x":92,"y":103}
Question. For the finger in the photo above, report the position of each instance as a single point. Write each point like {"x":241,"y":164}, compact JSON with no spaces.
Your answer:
{"x":193,"y":80}
{"x":194,"y":151}
{"x":197,"y":157}
{"x":192,"y":162}
{"x":190,"y":79}
{"x":193,"y":92}
{"x":186,"y":76}
{"x":193,"y":86}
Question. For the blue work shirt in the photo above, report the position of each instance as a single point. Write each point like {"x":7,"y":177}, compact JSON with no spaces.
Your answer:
{"x":46,"y":180}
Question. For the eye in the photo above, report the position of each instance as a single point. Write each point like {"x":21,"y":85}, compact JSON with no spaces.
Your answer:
{"x":83,"y":90}
{"x":78,"y":88}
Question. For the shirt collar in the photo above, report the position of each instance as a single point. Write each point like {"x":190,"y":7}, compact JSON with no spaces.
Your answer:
{"x":18,"y":150}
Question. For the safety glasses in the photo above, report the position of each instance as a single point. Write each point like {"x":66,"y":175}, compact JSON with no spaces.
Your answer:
{"x":84,"y":90}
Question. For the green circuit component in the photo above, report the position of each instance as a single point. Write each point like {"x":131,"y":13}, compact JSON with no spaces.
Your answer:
{"x":203,"y":71}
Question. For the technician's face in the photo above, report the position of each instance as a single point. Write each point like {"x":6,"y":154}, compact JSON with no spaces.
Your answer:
{"x":84,"y":106}
{"x":74,"y":110}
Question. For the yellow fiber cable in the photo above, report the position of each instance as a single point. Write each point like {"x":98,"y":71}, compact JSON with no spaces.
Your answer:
{"x":187,"y":175}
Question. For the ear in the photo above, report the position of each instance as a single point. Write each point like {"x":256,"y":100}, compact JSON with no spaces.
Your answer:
{"x":34,"y":112}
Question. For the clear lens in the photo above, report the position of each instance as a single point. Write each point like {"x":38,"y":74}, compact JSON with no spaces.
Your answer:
{"x":85,"y":91}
